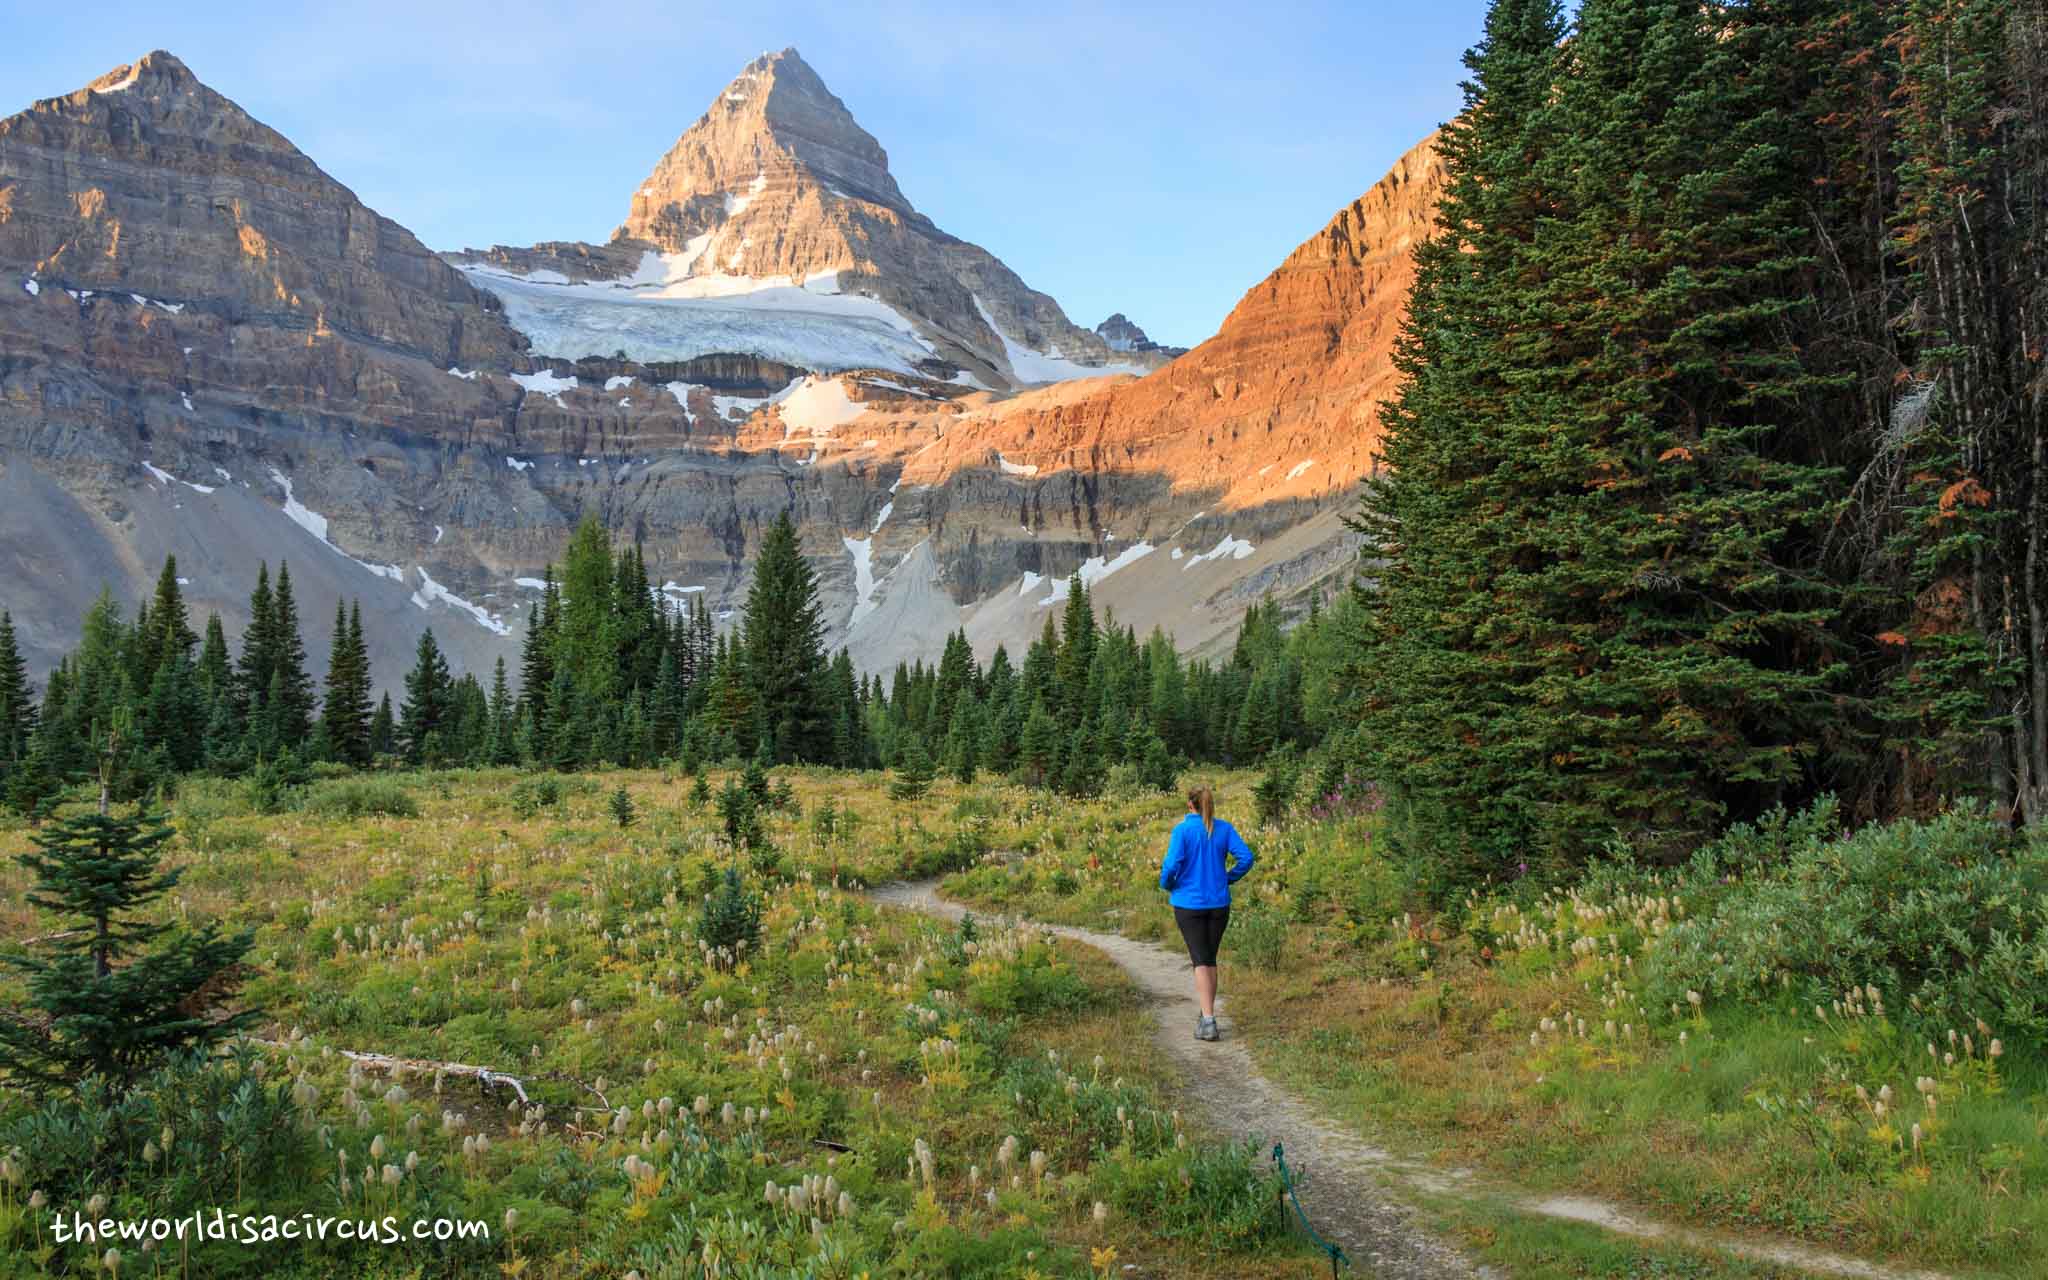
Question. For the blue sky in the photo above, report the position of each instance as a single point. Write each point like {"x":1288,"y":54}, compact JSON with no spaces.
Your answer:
{"x":1155,"y":159}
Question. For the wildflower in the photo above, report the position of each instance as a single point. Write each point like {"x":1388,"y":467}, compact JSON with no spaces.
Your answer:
{"x":1101,"y":1213}
{"x":111,"y":1260}
{"x":392,"y":1174}
{"x":511,"y":1220}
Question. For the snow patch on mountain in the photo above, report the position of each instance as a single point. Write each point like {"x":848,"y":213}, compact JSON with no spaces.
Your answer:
{"x":664,"y":312}
{"x":735,"y":205}
{"x":431,"y":591}
{"x":863,"y":552}
{"x":817,"y":406}
{"x":1095,"y":569}
{"x":546,"y":383}
{"x":1028,"y":366}
{"x":166,"y":479}
{"x":1235,"y":548}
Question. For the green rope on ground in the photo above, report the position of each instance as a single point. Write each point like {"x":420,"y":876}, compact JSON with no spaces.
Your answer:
{"x":1336,"y":1254}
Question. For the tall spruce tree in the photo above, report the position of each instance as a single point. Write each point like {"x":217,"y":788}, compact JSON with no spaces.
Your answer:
{"x":1596,"y":621}
{"x":1971,"y":111}
{"x":346,"y":711}
{"x":425,"y":713}
{"x":782,"y":648}
{"x":259,"y":650}
{"x":503,"y":744}
{"x":288,"y":708}
{"x":384,"y":729}
{"x":18,"y":712}
{"x":1434,"y":710}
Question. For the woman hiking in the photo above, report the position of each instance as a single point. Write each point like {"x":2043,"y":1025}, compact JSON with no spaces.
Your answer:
{"x":1199,"y":883}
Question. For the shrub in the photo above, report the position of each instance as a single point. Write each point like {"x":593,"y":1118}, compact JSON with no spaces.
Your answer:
{"x":1274,"y":794}
{"x":1947,"y":917}
{"x":1218,"y":1197}
{"x":731,"y":921}
{"x":350,"y":798}
{"x":273,"y":782}
{"x":531,"y":795}
{"x":1259,"y":935}
{"x":223,"y":1134}
{"x":1037,"y":981}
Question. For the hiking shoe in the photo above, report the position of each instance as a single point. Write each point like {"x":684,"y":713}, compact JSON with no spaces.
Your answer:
{"x":1205,"y":1029}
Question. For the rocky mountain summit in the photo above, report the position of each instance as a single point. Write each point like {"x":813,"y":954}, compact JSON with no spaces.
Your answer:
{"x":1123,"y":335}
{"x":209,"y":347}
{"x":774,"y":227}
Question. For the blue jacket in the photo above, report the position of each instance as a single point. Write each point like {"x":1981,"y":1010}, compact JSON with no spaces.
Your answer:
{"x":1194,"y":868}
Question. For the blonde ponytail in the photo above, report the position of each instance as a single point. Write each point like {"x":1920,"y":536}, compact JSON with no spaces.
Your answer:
{"x":1203,"y":801}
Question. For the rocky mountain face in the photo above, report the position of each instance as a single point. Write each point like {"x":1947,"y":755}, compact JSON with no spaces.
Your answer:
{"x":774,"y":226}
{"x":1191,"y":492}
{"x":209,"y":347}
{"x":1122,"y":335}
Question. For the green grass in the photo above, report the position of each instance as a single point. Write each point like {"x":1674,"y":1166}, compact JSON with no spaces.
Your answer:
{"x":1415,"y":1028}
{"x":559,"y":949}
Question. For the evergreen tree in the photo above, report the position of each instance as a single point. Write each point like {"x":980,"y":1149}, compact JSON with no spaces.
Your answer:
{"x":259,"y":651}
{"x":914,"y":771}
{"x":503,"y":745}
{"x":1039,"y":750}
{"x":33,"y":782}
{"x":18,"y":713}
{"x":585,"y":634}
{"x":383,"y":729}
{"x":963,"y":740}
{"x":170,"y":632}
{"x":345,"y":713}
{"x":1970,"y":692}
{"x":113,"y":992}
{"x":783,"y":646}
{"x":1592,"y":621}
{"x":1076,"y":659}
{"x":537,"y":654}
{"x":425,"y":711}
{"x":288,"y":710}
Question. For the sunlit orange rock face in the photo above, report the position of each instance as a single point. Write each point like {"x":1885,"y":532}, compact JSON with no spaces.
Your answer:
{"x":1283,"y":402}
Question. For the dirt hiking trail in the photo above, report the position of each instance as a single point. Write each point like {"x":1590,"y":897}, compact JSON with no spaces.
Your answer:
{"x":1346,"y":1182}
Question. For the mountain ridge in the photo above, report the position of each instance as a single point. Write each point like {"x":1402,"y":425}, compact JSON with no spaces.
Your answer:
{"x":283,"y":393}
{"x":776,"y":198}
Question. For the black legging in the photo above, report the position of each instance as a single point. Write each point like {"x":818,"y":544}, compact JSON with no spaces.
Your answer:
{"x":1203,"y":931}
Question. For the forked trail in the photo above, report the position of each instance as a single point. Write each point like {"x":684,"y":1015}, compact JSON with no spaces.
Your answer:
{"x":1348,"y":1184}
